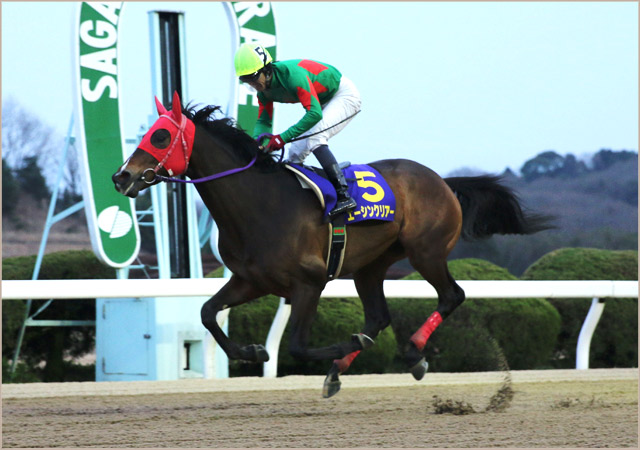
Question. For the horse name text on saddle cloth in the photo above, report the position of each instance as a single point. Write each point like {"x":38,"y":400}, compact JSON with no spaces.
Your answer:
{"x":375,"y":199}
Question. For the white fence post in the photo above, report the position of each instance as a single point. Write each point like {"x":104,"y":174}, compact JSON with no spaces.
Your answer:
{"x":586,"y":333}
{"x":270,"y":368}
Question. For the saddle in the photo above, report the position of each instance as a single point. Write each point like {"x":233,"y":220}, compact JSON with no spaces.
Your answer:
{"x":374,"y":198}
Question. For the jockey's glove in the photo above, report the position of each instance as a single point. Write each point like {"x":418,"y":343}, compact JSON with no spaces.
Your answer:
{"x":275,"y":143}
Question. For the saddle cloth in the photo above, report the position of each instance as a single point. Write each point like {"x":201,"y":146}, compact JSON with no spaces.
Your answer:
{"x":374,"y":198}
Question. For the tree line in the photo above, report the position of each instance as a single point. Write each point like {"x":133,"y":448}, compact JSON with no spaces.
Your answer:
{"x":31,"y":154}
{"x":594,"y":204}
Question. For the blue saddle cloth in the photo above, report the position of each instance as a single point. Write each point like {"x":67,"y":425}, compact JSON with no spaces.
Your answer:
{"x":375,"y":199}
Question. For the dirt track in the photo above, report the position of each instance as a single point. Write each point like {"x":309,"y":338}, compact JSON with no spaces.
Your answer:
{"x":594,"y":408}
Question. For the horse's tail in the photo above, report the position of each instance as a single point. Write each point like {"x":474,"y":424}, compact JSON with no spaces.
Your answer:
{"x":489,"y":208}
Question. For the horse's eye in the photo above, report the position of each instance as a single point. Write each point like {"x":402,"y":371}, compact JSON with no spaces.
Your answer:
{"x":161,"y":138}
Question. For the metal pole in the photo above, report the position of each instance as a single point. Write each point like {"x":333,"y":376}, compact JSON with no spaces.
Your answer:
{"x":43,"y":243}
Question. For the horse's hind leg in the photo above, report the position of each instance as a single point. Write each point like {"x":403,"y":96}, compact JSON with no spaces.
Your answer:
{"x":450,"y":296}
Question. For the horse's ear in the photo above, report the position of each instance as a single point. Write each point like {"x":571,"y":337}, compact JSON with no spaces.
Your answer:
{"x":161,"y":109}
{"x":176,"y":107}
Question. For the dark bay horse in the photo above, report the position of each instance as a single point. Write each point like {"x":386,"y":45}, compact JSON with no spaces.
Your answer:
{"x":275,"y":241}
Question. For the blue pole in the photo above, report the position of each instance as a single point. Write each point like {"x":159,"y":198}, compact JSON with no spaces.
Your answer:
{"x":43,"y":243}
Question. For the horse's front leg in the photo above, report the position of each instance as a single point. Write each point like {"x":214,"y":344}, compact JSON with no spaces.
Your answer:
{"x":236,"y":292}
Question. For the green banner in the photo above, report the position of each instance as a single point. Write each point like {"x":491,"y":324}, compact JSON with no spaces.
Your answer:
{"x":254,"y":23}
{"x":110,"y":215}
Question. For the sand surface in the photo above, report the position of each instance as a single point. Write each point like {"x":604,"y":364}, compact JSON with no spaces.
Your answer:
{"x":562,"y":408}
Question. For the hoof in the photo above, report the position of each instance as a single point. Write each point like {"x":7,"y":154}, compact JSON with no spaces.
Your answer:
{"x":420,"y":369}
{"x":331,"y":385}
{"x":256,"y":353}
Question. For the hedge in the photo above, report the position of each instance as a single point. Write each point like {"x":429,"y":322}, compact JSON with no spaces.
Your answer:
{"x":615,"y":340}
{"x":65,"y":265}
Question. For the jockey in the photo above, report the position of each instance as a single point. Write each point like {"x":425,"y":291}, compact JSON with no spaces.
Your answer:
{"x":329,"y":98}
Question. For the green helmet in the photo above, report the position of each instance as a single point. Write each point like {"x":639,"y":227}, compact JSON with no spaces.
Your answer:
{"x":250,"y":58}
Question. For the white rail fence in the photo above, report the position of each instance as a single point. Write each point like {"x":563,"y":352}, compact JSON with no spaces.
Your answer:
{"x":598,"y":291}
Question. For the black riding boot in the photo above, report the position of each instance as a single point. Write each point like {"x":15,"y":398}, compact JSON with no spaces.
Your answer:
{"x":336,"y":177}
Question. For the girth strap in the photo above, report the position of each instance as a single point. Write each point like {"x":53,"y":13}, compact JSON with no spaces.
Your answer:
{"x":337,"y":245}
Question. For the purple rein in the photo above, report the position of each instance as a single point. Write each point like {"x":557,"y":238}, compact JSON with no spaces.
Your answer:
{"x":217,"y":175}
{"x":210,"y":177}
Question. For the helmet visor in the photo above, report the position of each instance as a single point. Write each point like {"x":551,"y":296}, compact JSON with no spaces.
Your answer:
{"x":250,"y":77}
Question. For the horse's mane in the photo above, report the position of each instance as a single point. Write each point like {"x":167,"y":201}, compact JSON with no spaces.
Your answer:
{"x":227,"y":129}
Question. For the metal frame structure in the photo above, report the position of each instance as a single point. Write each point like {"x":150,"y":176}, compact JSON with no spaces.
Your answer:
{"x":51,"y":219}
{"x":248,"y":21}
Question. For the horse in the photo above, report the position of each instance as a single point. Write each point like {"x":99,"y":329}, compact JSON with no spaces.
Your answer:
{"x":274,"y":236}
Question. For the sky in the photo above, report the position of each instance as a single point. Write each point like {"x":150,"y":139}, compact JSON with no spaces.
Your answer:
{"x":452,"y":85}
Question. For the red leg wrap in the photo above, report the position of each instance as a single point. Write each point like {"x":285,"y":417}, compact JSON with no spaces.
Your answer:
{"x":344,"y":363}
{"x":420,"y":337}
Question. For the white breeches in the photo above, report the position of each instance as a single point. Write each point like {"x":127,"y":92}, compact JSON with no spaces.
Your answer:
{"x":344,"y":104}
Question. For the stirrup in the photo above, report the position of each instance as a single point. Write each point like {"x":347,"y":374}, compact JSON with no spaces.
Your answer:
{"x":343,"y":206}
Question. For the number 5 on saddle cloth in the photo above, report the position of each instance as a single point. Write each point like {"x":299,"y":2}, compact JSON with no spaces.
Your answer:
{"x":374,"y":198}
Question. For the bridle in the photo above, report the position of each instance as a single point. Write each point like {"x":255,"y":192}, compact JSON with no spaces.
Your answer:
{"x":180,"y":135}
{"x":185,"y":152}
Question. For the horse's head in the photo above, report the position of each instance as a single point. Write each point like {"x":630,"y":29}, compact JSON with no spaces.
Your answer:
{"x":165,"y":149}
